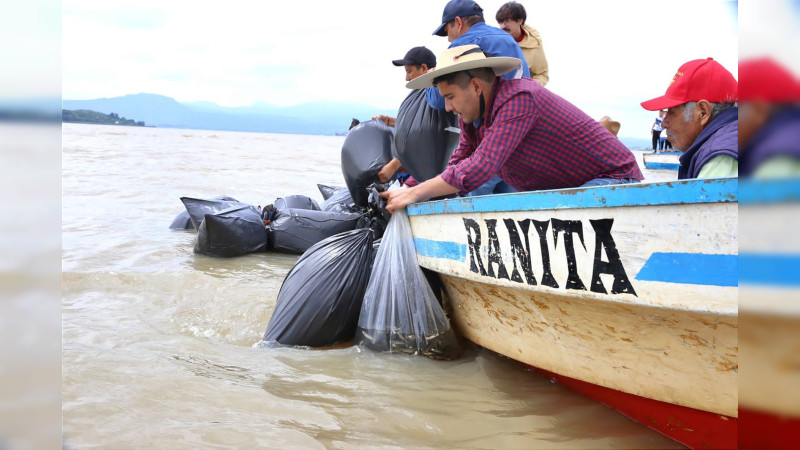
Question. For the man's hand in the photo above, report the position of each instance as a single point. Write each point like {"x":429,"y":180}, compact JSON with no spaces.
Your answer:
{"x":399,"y":198}
{"x":389,"y":121}
{"x":388,"y":170}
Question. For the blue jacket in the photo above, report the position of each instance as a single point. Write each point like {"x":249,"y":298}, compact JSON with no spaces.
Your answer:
{"x":492,"y":40}
{"x":780,"y":136}
{"x":720,"y":137}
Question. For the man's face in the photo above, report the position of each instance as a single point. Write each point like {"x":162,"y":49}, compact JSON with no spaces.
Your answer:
{"x":512,"y":27}
{"x":453,"y":29}
{"x":464,"y":102}
{"x":680,"y":132}
{"x":413,"y":71}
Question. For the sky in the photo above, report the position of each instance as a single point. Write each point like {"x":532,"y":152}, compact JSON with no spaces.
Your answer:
{"x":604,"y":57}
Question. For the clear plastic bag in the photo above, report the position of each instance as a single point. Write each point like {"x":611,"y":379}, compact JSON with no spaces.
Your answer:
{"x":400,"y":312}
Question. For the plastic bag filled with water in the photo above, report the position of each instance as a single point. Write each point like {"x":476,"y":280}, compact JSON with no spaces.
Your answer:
{"x":400,"y":312}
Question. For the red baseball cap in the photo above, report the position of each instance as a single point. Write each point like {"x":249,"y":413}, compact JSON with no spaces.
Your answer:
{"x":766,"y":80}
{"x":699,"y":79}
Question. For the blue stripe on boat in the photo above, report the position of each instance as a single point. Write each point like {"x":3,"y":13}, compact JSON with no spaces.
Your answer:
{"x":441,"y":249}
{"x":769,"y":269}
{"x":769,"y":191}
{"x":691,"y":268}
{"x":638,"y":194}
{"x":661,"y":166}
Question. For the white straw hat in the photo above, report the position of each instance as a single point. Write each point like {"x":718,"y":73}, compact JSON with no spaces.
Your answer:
{"x":464,"y":57}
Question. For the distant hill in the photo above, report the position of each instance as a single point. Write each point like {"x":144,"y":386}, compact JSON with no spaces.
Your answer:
{"x":325,"y":118}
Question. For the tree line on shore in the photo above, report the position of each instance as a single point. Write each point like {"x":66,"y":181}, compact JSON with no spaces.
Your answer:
{"x":88,"y":116}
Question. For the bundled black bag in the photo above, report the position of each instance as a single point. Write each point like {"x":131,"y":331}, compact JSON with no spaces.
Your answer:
{"x":296,"y":202}
{"x":182,"y":222}
{"x":367,"y":148}
{"x":233,"y":232}
{"x":296,"y":230}
{"x":320,"y":299}
{"x":340,"y":201}
{"x":328,"y":191}
{"x":400,"y":312}
{"x":423,"y":145}
{"x":197,"y":208}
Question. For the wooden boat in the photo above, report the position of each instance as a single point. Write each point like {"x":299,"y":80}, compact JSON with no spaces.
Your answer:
{"x":662,"y":160}
{"x":769,"y":312}
{"x":627,"y":294}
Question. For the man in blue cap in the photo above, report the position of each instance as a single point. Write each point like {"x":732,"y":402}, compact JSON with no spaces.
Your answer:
{"x":463,"y":24}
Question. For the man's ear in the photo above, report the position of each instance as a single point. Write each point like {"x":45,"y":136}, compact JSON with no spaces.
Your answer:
{"x":476,"y":85}
{"x":704,"y":111}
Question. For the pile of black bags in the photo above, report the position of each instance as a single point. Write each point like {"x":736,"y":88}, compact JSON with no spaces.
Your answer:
{"x":332,"y":295}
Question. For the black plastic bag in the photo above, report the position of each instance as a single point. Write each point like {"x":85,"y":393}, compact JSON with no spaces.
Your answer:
{"x":296,"y":202}
{"x":198,"y":207}
{"x":320,"y":299}
{"x":423,"y":144}
{"x":366,"y":149}
{"x":340,"y":201}
{"x":233,"y":232}
{"x":182,"y":222}
{"x":296,"y":230}
{"x":328,"y":191}
{"x":400,"y":312}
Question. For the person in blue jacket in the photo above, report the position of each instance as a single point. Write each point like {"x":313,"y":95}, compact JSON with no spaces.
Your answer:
{"x":463,"y":24}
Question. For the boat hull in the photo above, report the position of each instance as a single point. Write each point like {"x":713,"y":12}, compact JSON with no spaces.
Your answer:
{"x":629,"y":289}
{"x":662,"y":161}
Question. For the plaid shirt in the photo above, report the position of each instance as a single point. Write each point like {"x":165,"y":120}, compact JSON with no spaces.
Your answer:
{"x":535,"y":140}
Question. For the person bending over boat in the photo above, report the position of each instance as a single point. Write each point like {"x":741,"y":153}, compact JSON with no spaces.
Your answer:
{"x":702,"y":119}
{"x":516,"y":128}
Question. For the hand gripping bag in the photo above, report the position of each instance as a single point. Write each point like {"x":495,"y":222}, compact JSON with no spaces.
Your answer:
{"x":400,"y":312}
{"x":320,"y":299}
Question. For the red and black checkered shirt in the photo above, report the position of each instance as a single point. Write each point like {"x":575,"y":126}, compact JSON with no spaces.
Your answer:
{"x":536,"y":140}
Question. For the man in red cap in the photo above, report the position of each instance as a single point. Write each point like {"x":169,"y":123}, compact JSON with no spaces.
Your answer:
{"x":702,"y":119}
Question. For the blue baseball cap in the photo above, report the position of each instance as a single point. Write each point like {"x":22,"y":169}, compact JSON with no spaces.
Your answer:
{"x":457,"y":8}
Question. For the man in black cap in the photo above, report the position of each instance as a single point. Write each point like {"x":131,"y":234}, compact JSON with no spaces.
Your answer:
{"x":422,"y":143}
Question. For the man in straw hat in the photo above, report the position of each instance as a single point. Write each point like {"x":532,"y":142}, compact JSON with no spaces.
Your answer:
{"x":702,"y":119}
{"x":516,"y":128}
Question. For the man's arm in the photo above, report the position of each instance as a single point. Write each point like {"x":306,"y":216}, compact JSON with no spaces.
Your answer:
{"x":400,"y":198}
{"x":434,"y":98}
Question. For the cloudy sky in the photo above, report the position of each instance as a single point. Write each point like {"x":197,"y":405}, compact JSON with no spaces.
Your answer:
{"x":605,"y":57}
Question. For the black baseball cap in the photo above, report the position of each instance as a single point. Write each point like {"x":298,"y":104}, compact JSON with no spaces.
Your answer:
{"x":417,"y":56}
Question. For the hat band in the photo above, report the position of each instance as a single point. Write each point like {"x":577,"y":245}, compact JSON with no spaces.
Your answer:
{"x":470,"y":51}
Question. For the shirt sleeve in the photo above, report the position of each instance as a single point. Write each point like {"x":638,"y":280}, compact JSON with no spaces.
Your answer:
{"x":467,"y":170}
{"x":435,"y":100}
{"x":720,"y":166}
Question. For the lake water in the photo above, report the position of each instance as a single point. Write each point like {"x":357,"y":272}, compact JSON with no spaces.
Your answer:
{"x":158,"y":342}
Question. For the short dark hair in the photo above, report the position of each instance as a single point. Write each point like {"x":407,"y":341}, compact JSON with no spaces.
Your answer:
{"x":511,"y":10}
{"x":472,"y":20}
{"x":462,"y":77}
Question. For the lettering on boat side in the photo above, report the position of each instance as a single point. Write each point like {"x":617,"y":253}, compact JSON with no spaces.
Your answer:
{"x":492,"y":265}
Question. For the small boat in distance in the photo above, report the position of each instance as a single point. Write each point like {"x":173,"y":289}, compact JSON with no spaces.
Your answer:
{"x":626,"y":294}
{"x":662,"y":160}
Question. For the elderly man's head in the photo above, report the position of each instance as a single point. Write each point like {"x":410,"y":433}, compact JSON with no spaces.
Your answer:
{"x":699,"y":91}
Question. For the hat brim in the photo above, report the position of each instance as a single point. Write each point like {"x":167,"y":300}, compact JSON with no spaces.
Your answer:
{"x":499,"y":64}
{"x":440,"y":31}
{"x":401,"y":62}
{"x":663,"y":102}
